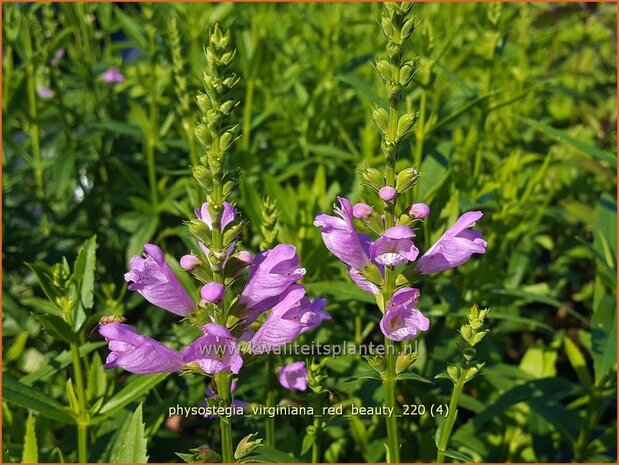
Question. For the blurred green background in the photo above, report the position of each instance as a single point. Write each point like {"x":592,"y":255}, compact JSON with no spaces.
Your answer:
{"x":517,"y":117}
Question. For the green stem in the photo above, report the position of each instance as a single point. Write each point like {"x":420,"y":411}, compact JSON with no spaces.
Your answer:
{"x":451,"y":417}
{"x":270,"y":402}
{"x":249,"y":98}
{"x":223,"y":380}
{"x":82,"y":423}
{"x":316,"y":446}
{"x":389,"y":385}
{"x":591,"y":418}
{"x":153,"y":137}
{"x":35,"y":141}
{"x":8,"y":71}
{"x":421,"y":125}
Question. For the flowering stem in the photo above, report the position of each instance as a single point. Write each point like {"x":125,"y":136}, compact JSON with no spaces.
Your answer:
{"x":270,"y":402}
{"x":82,"y":424}
{"x":451,"y":417}
{"x":223,"y":380}
{"x":316,"y":446}
{"x":36,"y":144}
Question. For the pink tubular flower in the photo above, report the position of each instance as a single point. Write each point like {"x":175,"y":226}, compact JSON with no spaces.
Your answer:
{"x":361,"y":282}
{"x":341,"y":237}
{"x":112,"y":76}
{"x":294,"y":376}
{"x":228,"y":215}
{"x":270,"y":274}
{"x":419,"y":211}
{"x":455,"y":246}
{"x":215,"y":351}
{"x":394,"y":247}
{"x":154,"y":280}
{"x":212,"y":292}
{"x":362,"y":211}
{"x":292,"y":315}
{"x":136,"y":353}
{"x":387,"y":193}
{"x":402,"y":320}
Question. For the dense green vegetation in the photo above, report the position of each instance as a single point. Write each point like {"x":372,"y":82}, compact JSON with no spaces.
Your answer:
{"x":517,"y":117}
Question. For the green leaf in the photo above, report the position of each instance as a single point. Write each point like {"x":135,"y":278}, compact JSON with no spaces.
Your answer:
{"x":130,"y":446}
{"x":589,"y":150}
{"x":134,"y":389}
{"x":415,"y":376}
{"x":269,"y":455}
{"x":43,"y":272}
{"x":58,"y":363}
{"x":604,"y":337}
{"x":577,"y":360}
{"x":57,"y":328}
{"x":132,"y":29}
{"x":31,"y":453}
{"x":18,"y":393}
{"x":84,"y":277}
{"x":341,"y":291}
{"x":458,"y":456}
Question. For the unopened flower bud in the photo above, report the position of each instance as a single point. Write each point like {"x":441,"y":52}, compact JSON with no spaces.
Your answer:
{"x":204,"y":102}
{"x":406,"y":179}
{"x":212,"y":292}
{"x":387,"y":193}
{"x":372,"y":177}
{"x":405,"y":123}
{"x":419,"y":211}
{"x":244,"y":256}
{"x":380,"y":117}
{"x":361,"y":211}
{"x":189,"y":262}
{"x":202,"y":134}
{"x":384,"y":69}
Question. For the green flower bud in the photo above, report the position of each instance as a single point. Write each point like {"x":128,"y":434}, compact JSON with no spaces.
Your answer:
{"x":203,"y":176}
{"x":247,"y":445}
{"x":454,"y":372}
{"x":407,"y":71}
{"x":200,"y":230}
{"x":406,"y":179}
{"x":381,"y":118}
{"x":405,"y":124}
{"x":387,"y":27}
{"x":407,"y":28}
{"x":203,"y":134}
{"x":372,"y":178}
{"x":394,"y":51}
{"x":404,"y":361}
{"x":227,"y":106}
{"x":204,"y":103}
{"x":384,"y":69}
{"x":232,"y":233}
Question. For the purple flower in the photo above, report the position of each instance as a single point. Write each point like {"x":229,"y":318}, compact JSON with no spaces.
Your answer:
{"x":387,"y":193}
{"x":341,"y":237}
{"x":394,"y":247}
{"x":45,"y":92}
{"x":189,"y":262}
{"x":362,"y":211}
{"x":361,"y":282}
{"x":228,"y":215}
{"x":401,"y":320}
{"x":419,"y":211}
{"x":215,"y":351}
{"x":292,"y":315}
{"x":455,"y":246}
{"x":58,"y":55}
{"x":153,"y":278}
{"x":136,"y":353}
{"x":293,"y":376}
{"x":270,"y":274}
{"x":112,"y":76}
{"x":212,"y":292}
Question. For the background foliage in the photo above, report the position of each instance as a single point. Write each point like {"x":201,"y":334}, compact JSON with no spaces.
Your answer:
{"x":517,"y":117}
